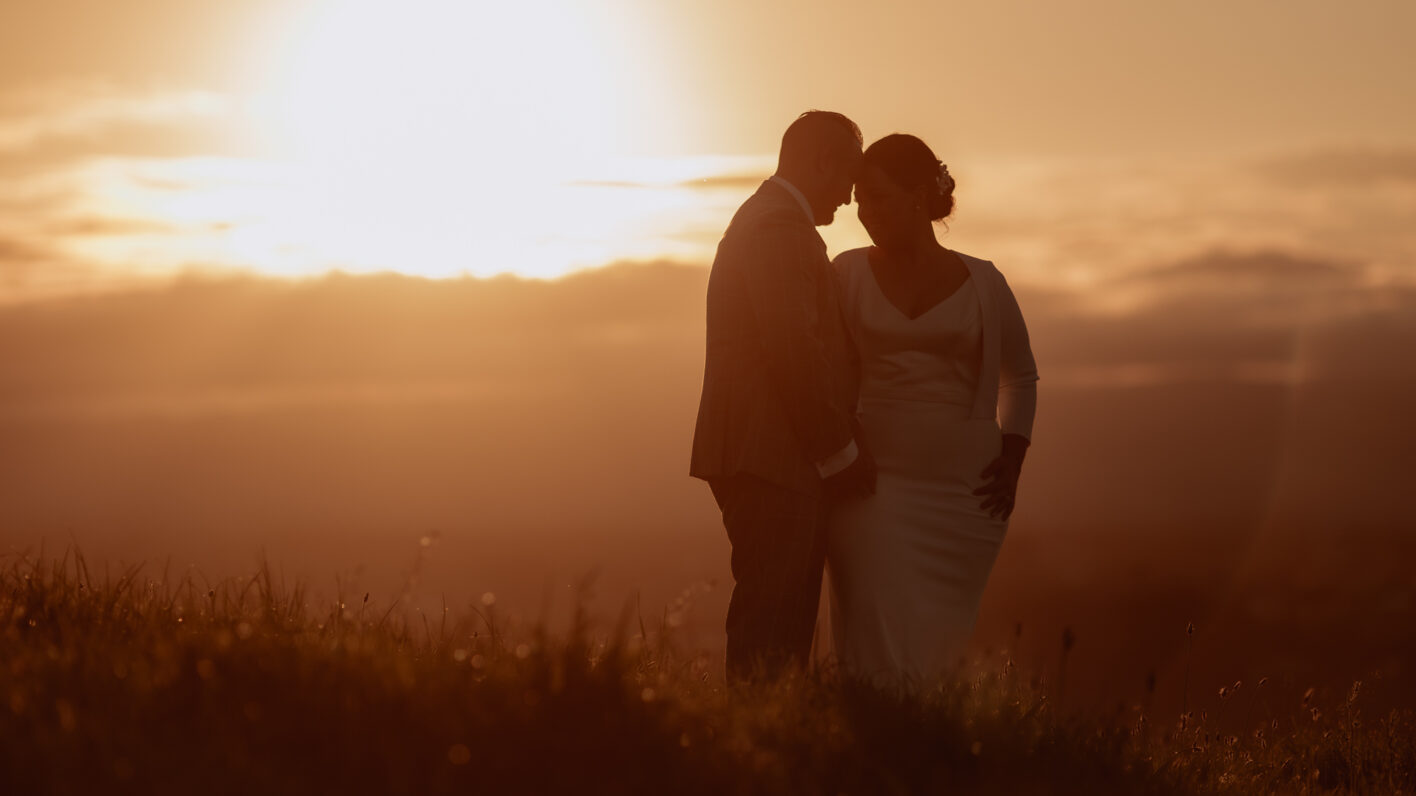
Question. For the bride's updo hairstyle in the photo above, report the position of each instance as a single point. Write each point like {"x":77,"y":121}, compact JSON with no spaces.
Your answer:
{"x":910,"y":164}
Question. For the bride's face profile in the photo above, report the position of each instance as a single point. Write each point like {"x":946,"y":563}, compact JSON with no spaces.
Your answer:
{"x":886,"y":210}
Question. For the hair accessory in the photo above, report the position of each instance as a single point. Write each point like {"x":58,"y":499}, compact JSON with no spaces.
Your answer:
{"x":946,"y":180}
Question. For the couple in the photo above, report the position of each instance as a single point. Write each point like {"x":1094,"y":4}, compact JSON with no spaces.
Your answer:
{"x":867,"y":415}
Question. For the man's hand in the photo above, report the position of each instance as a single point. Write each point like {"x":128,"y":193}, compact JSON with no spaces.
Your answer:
{"x":857,"y":480}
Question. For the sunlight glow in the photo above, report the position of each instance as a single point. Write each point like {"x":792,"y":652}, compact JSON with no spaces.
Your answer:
{"x":163,"y":215}
{"x":440,"y":138}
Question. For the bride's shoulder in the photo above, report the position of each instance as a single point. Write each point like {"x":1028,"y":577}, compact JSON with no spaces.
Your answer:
{"x":850,"y":256}
{"x":978,"y":264}
{"x":971,"y":260}
{"x":851,"y":261}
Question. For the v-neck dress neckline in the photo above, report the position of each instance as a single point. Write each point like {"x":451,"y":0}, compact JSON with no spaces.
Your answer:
{"x":880,"y":291}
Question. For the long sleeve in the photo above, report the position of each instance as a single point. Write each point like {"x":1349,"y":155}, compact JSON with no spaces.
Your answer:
{"x":1017,"y":377}
{"x":780,"y":279}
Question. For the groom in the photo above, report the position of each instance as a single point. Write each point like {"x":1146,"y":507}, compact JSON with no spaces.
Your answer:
{"x":775,"y":434}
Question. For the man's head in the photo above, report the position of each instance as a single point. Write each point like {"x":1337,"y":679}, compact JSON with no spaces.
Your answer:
{"x":821,"y":153}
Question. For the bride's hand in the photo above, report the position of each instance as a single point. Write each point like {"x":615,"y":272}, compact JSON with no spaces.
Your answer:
{"x":1001,"y":490}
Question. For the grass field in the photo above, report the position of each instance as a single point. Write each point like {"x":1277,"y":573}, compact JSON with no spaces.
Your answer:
{"x":136,"y":683}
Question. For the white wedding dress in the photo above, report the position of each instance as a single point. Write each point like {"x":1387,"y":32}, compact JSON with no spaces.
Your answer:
{"x":907,"y":566}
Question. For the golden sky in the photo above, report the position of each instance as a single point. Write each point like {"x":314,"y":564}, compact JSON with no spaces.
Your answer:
{"x":718,"y":76}
{"x":143,"y":138}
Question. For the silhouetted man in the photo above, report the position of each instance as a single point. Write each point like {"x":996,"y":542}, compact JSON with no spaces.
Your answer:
{"x":775,"y":433}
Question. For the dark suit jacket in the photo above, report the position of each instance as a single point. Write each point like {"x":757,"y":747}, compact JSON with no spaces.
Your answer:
{"x":779,"y":383}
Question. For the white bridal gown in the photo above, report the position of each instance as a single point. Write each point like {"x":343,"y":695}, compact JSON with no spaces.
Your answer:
{"x":908,"y":566}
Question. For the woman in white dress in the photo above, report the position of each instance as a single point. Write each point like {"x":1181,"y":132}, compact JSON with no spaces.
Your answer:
{"x":947,"y":397}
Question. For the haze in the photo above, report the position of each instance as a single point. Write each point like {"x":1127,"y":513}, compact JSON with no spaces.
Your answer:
{"x":249,"y":296}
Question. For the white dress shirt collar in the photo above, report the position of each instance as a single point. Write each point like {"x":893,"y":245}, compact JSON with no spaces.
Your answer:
{"x":797,"y":195}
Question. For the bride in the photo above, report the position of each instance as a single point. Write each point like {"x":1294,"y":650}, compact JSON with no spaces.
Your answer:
{"x":947,"y":397}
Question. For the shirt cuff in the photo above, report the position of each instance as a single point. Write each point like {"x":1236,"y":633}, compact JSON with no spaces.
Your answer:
{"x":838,"y":461}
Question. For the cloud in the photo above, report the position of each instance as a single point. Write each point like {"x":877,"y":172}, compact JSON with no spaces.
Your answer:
{"x":1088,"y":222}
{"x":1260,"y":288}
{"x":1224,"y":270}
{"x":14,"y":251}
{"x":746,"y":182}
{"x":73,"y":160}
{"x":105,"y":226}
{"x":22,"y":263}
{"x":730,"y":181}
{"x":1226,"y":317}
{"x":70,"y":112}
{"x":1221,"y":318}
{"x":1102,"y":226}
{"x":1349,"y":166}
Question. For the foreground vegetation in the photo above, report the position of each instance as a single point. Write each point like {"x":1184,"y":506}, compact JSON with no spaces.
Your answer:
{"x":124,"y":683}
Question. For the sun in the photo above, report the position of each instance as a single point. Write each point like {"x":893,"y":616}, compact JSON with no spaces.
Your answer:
{"x":435,"y":137}
{"x":444,"y":83}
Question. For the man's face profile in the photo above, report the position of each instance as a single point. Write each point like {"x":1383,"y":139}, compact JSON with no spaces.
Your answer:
{"x":842,"y":168}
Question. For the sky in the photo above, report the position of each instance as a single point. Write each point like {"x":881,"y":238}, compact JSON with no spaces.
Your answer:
{"x":234,"y":318}
{"x":143,"y":138}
